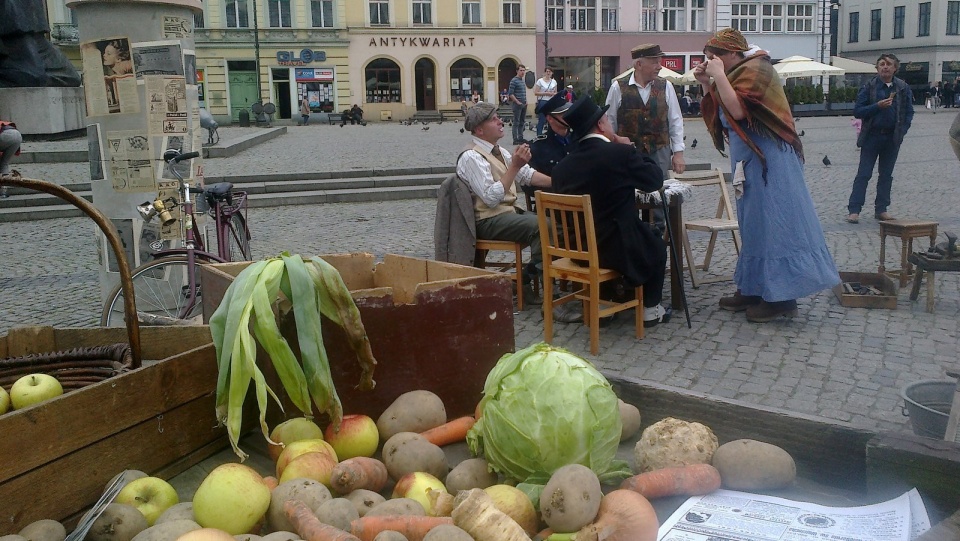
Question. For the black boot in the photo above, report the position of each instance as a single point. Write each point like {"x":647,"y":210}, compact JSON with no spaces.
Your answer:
{"x":739,"y":303}
{"x":768,"y":311}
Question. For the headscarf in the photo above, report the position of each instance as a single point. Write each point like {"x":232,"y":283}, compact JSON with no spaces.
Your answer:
{"x":478,"y":114}
{"x":729,"y":39}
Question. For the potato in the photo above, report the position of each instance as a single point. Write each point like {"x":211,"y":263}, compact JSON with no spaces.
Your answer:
{"x":471,"y":473}
{"x":247,"y":537}
{"x":672,"y":442}
{"x":408,"y":452}
{"x":447,"y":532}
{"x":44,"y":530}
{"x":571,"y":498}
{"x":754,"y":465}
{"x":180,"y":511}
{"x":413,"y":411}
{"x":397,"y":506}
{"x":390,"y":535}
{"x":118,"y":522}
{"x":13,"y":537}
{"x":281,"y":535}
{"x":364,"y":500}
{"x":338,"y":512}
{"x":629,"y":419}
{"x":311,"y":492}
{"x":168,"y":531}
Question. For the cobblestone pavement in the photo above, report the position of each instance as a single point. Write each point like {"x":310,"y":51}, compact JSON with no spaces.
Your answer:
{"x":847,"y":364}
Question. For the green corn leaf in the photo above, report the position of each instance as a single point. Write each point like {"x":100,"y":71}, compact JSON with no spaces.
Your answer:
{"x":240,"y":377}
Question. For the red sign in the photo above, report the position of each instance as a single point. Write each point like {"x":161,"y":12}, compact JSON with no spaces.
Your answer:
{"x":696,"y":60}
{"x":674,"y":63}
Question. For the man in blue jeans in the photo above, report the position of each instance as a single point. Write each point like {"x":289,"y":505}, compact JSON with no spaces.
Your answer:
{"x":517,"y":97}
{"x":885,"y":104}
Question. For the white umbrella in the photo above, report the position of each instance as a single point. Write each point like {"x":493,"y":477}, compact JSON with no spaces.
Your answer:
{"x":665,"y":73}
{"x":852,"y":66}
{"x":801,"y":66}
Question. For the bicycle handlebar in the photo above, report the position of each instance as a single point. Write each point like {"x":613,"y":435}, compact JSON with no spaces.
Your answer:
{"x":188,"y":156}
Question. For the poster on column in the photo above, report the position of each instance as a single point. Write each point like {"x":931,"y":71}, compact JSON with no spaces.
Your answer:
{"x":95,"y":152}
{"x":176,"y":27}
{"x":157,"y":58}
{"x":118,"y":91}
{"x":131,"y":165}
{"x":167,"y":111}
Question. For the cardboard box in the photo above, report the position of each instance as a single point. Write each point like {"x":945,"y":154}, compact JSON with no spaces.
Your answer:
{"x":880,"y":281}
{"x":432,"y":325}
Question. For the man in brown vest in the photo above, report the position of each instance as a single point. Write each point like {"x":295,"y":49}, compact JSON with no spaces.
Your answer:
{"x":493,"y":174}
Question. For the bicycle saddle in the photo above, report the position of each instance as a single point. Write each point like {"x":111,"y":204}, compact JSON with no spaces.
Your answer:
{"x":218,"y":190}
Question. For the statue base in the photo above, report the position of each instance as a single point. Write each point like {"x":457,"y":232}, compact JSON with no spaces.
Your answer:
{"x":44,"y":112}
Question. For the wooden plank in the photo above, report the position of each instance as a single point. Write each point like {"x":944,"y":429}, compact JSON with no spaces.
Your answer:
{"x":356,"y":269}
{"x":48,"y":430}
{"x":828,"y":452}
{"x":155,"y":342}
{"x":29,"y":340}
{"x":65,"y":486}
{"x":402,"y":274}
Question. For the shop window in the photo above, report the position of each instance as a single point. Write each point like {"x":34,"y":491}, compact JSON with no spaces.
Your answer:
{"x":743,"y":17}
{"x":555,"y":14}
{"x":466,"y":75}
{"x":854,"y":27}
{"x":772,"y":18}
{"x":674,"y":15}
{"x":923,"y":26}
{"x":382,"y":78}
{"x":953,"y":18}
{"x":648,"y":16}
{"x":321,"y":13}
{"x":422,"y":12}
{"x":379,"y":12}
{"x":609,"y":10}
{"x":899,"y":14}
{"x":583,"y":15}
{"x":511,"y":11}
{"x":279,"y":13}
{"x":874,"y":24}
{"x":800,"y":18}
{"x":237,"y":14}
{"x":470,"y":10}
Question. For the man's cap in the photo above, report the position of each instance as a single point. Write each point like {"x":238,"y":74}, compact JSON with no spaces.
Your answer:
{"x":478,"y":114}
{"x":570,"y":87}
{"x":556,"y":105}
{"x":583,"y":115}
{"x":646,"y":50}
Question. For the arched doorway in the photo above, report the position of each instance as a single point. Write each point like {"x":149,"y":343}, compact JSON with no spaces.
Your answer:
{"x":505,"y":71}
{"x":466,"y":75}
{"x":425,"y":77}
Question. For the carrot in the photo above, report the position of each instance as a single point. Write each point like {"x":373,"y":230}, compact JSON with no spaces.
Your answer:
{"x":623,"y":516}
{"x":309,"y":527}
{"x":691,"y":480}
{"x":271,"y":482}
{"x":358,"y":472}
{"x":450,"y":432}
{"x":413,"y":527}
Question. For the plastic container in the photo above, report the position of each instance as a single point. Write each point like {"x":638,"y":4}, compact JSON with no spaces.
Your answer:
{"x":927,"y":403}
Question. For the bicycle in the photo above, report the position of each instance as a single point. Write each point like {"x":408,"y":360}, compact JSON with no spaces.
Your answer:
{"x":167,"y":289}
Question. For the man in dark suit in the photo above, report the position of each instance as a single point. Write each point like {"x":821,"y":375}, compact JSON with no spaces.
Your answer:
{"x":610,"y":169}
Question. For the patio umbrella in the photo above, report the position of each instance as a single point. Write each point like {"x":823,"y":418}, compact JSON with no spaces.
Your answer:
{"x":853,"y":66}
{"x":665,"y":73}
{"x":801,"y":66}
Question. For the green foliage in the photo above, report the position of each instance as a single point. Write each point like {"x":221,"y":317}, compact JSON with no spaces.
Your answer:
{"x":818,"y":94}
{"x":599,"y":96}
{"x":847,"y":94}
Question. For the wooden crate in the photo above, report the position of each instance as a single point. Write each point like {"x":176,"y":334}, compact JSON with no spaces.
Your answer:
{"x":432,"y":325}
{"x":880,"y":281}
{"x":59,"y":455}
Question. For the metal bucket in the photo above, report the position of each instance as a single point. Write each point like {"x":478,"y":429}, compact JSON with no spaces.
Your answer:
{"x":927,"y":403}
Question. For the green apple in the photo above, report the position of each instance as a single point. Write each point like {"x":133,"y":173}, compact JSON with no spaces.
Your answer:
{"x":358,"y":436}
{"x":232,"y":498}
{"x":317,"y":466}
{"x":34,"y":388}
{"x":291,"y":430}
{"x":4,"y":401}
{"x":301,"y":447}
{"x":151,"y":495}
{"x":416,"y":486}
{"x":516,"y":504}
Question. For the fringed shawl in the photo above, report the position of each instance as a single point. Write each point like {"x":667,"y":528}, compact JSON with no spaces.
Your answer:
{"x":762,"y":98}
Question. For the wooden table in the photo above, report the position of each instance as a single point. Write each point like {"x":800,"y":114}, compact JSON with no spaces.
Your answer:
{"x":675,"y":208}
{"x":906,"y":230}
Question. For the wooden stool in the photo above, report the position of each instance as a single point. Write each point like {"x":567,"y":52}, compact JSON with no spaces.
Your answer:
{"x":931,"y":267}
{"x":907,"y":230}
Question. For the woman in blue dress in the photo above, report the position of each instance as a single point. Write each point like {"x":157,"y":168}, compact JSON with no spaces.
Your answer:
{"x":784,"y":255}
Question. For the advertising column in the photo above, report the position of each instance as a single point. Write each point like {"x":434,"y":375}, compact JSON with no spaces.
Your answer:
{"x":140,"y":90}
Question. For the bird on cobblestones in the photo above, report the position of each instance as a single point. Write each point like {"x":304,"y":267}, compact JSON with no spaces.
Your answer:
{"x":425,"y":128}
{"x":693,"y":144}
{"x":826,"y":160}
{"x":802,"y":133}
{"x":424,"y":122}
{"x":461,"y":130}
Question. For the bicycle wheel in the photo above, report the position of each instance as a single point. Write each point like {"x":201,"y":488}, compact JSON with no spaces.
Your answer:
{"x":238,"y":239}
{"x":162,"y":291}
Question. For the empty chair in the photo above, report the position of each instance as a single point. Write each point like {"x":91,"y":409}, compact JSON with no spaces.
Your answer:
{"x":708,"y":185}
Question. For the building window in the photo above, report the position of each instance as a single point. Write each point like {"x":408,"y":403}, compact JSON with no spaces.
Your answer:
{"x":237,"y":14}
{"x":379,"y":12}
{"x":772,"y":18}
{"x":899,"y":13}
{"x":382,"y":78}
{"x":698,"y":15}
{"x":743,"y":17}
{"x":953,"y":18}
{"x":674,"y":15}
{"x":511,"y":11}
{"x":321,"y":13}
{"x":466,"y":75}
{"x":648,"y":15}
{"x":608,"y":15}
{"x":923,"y":26}
{"x":583,"y":15}
{"x":555,"y":14}
{"x":197,"y":19}
{"x":800,"y":18}
{"x":874,"y":24}
{"x":854,"y":27}
{"x":279,"y":12}
{"x":471,"y":11}
{"x":422,"y":12}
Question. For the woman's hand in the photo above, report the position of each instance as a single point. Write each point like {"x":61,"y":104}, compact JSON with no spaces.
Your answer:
{"x":714,"y":68}
{"x":700,"y":74}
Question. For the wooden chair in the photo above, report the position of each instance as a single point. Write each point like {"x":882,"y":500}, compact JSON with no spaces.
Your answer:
{"x":567,"y":237}
{"x":723,"y":220}
{"x":480,"y":261}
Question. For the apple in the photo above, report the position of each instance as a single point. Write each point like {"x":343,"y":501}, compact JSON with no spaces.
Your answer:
{"x":289,"y":431}
{"x":206,"y":534}
{"x":34,"y":388}
{"x":301,"y":447}
{"x":416,"y":486}
{"x":232,"y":498}
{"x":150,"y":495}
{"x":4,"y":401}
{"x":317,"y":466}
{"x":514,"y":503}
{"x":358,"y":436}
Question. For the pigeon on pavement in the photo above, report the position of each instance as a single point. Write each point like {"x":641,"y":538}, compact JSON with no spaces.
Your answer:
{"x":425,"y":128}
{"x":694,"y":144}
{"x":802,"y":133}
{"x":826,"y":160}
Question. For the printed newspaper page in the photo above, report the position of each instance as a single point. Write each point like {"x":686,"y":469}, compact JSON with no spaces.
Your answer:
{"x":157,"y":58}
{"x":131,"y":165}
{"x":115,"y":91}
{"x":727,"y":515}
{"x":167,"y":110}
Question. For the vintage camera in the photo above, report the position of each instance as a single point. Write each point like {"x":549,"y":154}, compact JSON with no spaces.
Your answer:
{"x":148,"y":210}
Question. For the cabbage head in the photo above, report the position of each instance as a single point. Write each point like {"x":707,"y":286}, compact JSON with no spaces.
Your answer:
{"x":543,"y":408}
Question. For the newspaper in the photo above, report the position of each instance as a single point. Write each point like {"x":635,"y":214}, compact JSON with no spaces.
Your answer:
{"x":116,"y":90}
{"x":167,"y":111}
{"x":131,"y":164}
{"x":157,"y":58}
{"x":727,"y":515}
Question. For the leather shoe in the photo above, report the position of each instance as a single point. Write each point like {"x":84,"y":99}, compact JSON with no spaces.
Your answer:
{"x":738,"y":302}
{"x":885,"y":216}
{"x":530,"y":296}
{"x":571,"y":312}
{"x":655,"y":315}
{"x":853,"y":218}
{"x":768,"y":311}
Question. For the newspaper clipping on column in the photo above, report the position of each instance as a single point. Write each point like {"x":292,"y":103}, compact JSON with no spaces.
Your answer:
{"x":116,"y":92}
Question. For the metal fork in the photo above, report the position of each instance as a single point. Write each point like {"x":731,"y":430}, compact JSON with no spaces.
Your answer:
{"x":98,"y":508}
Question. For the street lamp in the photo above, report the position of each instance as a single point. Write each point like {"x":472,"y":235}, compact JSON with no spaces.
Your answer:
{"x":256,"y":48}
{"x":546,"y":33}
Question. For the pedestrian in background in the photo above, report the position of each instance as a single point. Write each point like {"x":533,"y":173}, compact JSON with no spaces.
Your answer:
{"x":783,"y":254}
{"x":885,"y":104}
{"x":517,"y":97}
{"x":10,"y":140}
{"x":543,"y":89}
{"x":305,"y":110}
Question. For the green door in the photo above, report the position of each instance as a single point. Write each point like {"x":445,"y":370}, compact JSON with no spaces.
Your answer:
{"x":243,"y":92}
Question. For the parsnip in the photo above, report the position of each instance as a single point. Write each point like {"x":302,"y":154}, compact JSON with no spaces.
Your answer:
{"x":476,"y":513}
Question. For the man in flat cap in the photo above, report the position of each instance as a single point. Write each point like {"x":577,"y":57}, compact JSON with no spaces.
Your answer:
{"x":493,"y":174}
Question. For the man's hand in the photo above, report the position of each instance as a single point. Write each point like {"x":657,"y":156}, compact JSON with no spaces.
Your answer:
{"x":679,"y":166}
{"x":883,"y":104}
{"x":521,"y":156}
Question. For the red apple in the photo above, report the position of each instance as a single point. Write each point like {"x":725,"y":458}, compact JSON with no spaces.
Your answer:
{"x":291,"y":430}
{"x":358,"y":436}
{"x":298,"y":448}
{"x":316,"y":466}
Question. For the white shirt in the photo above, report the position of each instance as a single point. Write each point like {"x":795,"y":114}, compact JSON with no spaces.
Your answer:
{"x":543,"y":86}
{"x":475,"y":170}
{"x":674,"y":116}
